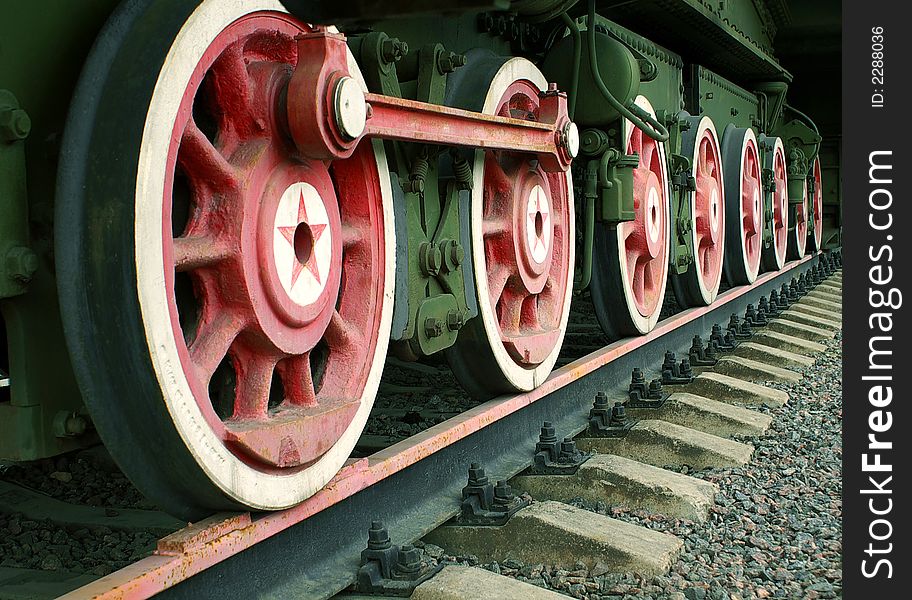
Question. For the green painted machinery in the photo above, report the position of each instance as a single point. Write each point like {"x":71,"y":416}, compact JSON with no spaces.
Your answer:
{"x":477,"y":249}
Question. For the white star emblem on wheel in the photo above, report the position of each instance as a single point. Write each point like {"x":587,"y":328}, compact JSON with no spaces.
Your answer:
{"x":538,"y":224}
{"x":302,"y":243}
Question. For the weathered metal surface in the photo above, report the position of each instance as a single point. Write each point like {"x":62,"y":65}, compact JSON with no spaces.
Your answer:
{"x":500,"y":432}
{"x":332,"y":11}
{"x":734,"y":37}
{"x":409,"y":120}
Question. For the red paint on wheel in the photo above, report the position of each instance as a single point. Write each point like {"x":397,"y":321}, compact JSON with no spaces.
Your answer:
{"x":751,"y":206}
{"x":780,"y":203}
{"x":645,"y":241}
{"x":285,"y":256}
{"x":801,"y":224}
{"x":709,"y":217}
{"x":526,"y":240}
{"x":818,"y":205}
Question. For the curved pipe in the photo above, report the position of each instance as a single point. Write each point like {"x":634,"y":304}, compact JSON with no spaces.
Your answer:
{"x":634,"y":114}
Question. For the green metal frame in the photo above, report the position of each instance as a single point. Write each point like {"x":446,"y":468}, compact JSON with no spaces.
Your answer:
{"x":41,"y":412}
{"x":435,"y":205}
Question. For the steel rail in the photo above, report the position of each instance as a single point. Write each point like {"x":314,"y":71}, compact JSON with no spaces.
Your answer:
{"x":313,"y":549}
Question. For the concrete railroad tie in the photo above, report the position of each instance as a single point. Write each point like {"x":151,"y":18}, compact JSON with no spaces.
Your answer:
{"x":553,"y":533}
{"x":704,"y":414}
{"x":752,"y":370}
{"x":660,"y":443}
{"x":732,"y":389}
{"x":620,"y":481}
{"x":468,"y":583}
{"x":786,"y":342}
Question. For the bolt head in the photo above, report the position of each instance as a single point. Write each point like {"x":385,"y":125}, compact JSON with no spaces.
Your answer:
{"x":15,"y":124}
{"x":454,"y":320}
{"x":409,"y":557}
{"x":430,"y":259}
{"x":433,"y":327}
{"x":21,"y":263}
{"x":457,"y":253}
{"x":477,"y":475}
{"x":503,"y":491}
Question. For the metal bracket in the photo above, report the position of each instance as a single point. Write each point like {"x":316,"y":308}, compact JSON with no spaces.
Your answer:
{"x":674,"y":373}
{"x":702,"y":356}
{"x":553,"y":457}
{"x":18,"y":263}
{"x":722,"y":342}
{"x":608,"y":421}
{"x":388,"y":570}
{"x":755,"y":317}
{"x":616,"y":184}
{"x":738,"y":328}
{"x":778,"y":302}
{"x":681,"y":177}
{"x":485,"y":504}
{"x":643,"y":395}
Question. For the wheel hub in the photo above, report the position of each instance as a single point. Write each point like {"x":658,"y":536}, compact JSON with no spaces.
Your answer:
{"x":302,"y":244}
{"x":755,"y":211}
{"x":533,"y":211}
{"x":297,"y":257}
{"x":714,"y":223}
{"x":653,"y":217}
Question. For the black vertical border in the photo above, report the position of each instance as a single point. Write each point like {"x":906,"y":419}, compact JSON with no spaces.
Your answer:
{"x":867,"y":129}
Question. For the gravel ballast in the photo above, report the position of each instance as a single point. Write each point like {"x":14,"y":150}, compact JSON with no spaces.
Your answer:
{"x":774,"y":530}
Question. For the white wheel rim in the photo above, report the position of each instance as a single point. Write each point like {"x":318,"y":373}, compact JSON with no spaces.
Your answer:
{"x":519,"y":377}
{"x":707,"y":125}
{"x":642,"y":323}
{"x":237,"y":480}
{"x":749,"y":138}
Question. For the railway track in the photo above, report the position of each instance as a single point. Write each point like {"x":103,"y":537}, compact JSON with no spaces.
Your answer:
{"x":411,"y":478}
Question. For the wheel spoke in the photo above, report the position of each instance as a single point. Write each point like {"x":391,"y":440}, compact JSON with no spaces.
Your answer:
{"x":351,"y":236}
{"x":634,"y":239}
{"x":341,"y":334}
{"x":254,"y":380}
{"x":633,"y":259}
{"x":649,"y":148}
{"x":544,"y":305}
{"x":747,"y":223}
{"x":638,"y":286}
{"x":495,"y":227}
{"x":497,"y":185}
{"x":297,"y":377}
{"x":212,"y":341}
{"x":511,"y":303}
{"x":231,"y":87}
{"x":498,"y":276}
{"x":202,"y":162}
{"x":191,"y":252}
{"x":529,"y":315}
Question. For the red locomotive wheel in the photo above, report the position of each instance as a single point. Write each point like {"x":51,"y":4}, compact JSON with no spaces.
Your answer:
{"x":631,"y":265}
{"x":261,"y":281}
{"x":522,"y":234}
{"x":798,"y":232}
{"x":744,"y":206}
{"x":816,"y":240}
{"x":699,"y":285}
{"x":774,"y":255}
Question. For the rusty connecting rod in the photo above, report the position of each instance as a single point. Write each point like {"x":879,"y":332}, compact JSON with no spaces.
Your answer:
{"x":329,"y":114}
